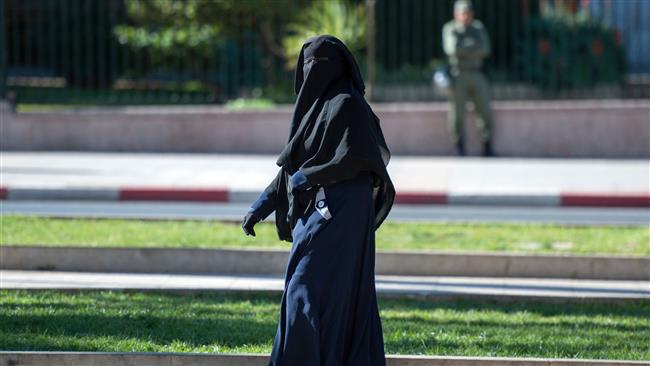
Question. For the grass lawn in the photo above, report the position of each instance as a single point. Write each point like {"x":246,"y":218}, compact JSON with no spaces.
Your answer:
{"x":527,"y":238}
{"x":237,"y":322}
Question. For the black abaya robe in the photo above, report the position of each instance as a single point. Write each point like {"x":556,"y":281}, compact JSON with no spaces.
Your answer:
{"x":328,"y":313}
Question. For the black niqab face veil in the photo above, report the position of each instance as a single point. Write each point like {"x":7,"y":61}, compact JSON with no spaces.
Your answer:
{"x":326,"y":48}
{"x":322,"y":62}
{"x":334,"y":133}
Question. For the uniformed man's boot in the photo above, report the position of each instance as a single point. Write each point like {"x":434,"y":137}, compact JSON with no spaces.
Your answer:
{"x":460,"y":148}
{"x":487,"y":148}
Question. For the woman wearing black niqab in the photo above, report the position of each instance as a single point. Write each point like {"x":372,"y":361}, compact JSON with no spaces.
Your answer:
{"x":331,"y":193}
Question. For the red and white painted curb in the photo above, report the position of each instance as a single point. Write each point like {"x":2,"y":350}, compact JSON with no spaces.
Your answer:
{"x":576,"y":199}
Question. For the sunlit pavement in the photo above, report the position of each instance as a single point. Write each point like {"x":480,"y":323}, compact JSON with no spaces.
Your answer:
{"x":462,"y":287}
{"x":254,"y":172}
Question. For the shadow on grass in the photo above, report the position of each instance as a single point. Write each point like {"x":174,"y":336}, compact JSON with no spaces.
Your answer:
{"x":192,"y":330}
{"x":636,"y":308}
{"x":71,"y":321}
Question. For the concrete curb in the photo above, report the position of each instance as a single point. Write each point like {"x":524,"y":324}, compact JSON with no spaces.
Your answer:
{"x":198,"y":359}
{"x":273,"y":261}
{"x":604,"y":199}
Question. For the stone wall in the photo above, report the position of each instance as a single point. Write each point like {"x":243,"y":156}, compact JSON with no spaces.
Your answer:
{"x":594,"y":129}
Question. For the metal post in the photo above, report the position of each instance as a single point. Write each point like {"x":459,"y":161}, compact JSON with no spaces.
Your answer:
{"x":370,"y":43}
{"x":3,"y":52}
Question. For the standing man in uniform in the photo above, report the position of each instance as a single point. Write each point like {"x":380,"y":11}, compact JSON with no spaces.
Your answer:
{"x":466,"y":44}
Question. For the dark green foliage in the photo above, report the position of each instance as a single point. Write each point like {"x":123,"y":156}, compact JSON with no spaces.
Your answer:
{"x":559,"y":54}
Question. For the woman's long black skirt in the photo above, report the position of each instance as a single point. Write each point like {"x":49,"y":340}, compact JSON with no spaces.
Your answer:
{"x":329,"y":314}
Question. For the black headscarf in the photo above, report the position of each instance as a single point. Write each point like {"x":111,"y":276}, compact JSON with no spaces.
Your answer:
{"x":334,"y":133}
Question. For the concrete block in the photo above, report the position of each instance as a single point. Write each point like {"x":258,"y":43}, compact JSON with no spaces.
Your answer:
{"x":15,"y":358}
{"x":524,"y":199}
{"x":219,"y":360}
{"x":90,"y":194}
{"x":439,"y":264}
{"x":273,"y":261}
{"x":550,"y":266}
{"x":8,"y":358}
{"x":243,"y":196}
{"x":629,"y":268}
{"x":143,"y":260}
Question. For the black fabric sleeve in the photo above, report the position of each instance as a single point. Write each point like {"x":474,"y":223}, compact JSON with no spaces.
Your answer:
{"x":267,"y":201}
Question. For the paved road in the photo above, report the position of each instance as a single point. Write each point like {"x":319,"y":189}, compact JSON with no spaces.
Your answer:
{"x":234,"y":211}
{"x":254,"y":172}
{"x":464,"y":287}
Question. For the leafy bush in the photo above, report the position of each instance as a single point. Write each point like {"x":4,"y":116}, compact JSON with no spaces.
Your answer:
{"x":559,"y":54}
{"x":335,"y":17}
{"x":168,"y":30}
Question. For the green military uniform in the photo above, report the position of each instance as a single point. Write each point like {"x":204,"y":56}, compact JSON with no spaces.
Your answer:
{"x":466,"y":48}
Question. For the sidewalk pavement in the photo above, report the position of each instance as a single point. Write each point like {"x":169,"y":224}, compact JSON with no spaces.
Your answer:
{"x":430,"y":286}
{"x":240,"y":178}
